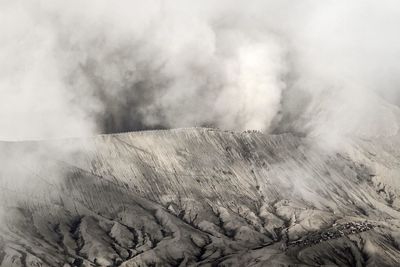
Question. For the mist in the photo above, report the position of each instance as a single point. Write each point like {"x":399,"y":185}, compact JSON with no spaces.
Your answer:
{"x":315,"y":68}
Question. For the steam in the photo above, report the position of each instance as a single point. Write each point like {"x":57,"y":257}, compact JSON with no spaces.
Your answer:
{"x":76,"y":68}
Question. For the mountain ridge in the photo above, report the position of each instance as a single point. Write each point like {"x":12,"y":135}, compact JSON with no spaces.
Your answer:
{"x":199,"y":197}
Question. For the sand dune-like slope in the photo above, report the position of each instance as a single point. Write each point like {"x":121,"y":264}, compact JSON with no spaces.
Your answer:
{"x":199,"y":197}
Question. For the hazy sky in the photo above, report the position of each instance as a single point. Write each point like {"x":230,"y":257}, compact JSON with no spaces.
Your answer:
{"x":77,"y":68}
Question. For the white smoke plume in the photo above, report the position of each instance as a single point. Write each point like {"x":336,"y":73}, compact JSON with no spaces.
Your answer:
{"x":75,"y":68}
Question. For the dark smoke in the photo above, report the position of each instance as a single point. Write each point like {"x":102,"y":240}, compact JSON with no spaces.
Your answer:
{"x":85,"y":67}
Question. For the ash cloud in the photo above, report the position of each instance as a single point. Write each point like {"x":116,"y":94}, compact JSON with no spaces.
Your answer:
{"x":317,"y":68}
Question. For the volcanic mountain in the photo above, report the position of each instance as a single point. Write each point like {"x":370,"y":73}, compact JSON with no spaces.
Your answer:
{"x":200,"y":197}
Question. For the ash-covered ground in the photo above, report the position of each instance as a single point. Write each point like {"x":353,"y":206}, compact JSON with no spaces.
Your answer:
{"x":199,"y":197}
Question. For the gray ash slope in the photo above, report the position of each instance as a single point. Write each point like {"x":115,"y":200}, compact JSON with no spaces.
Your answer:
{"x":200,"y":197}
